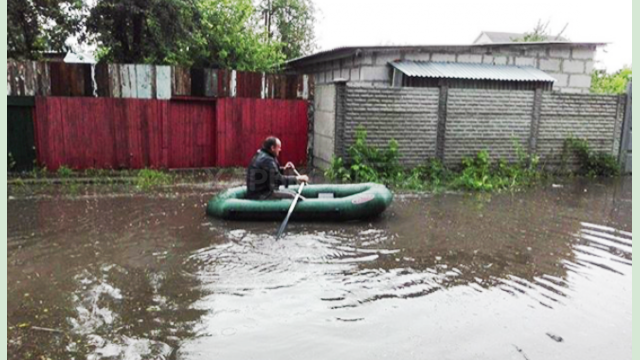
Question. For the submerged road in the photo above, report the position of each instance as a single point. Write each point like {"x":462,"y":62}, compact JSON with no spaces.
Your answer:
{"x":540,"y":274}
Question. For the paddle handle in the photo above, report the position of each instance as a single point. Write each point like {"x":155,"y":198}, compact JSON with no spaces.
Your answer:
{"x":296,"y":171}
{"x":286,"y":219}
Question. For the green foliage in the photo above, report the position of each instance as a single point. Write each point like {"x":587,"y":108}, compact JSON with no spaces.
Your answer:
{"x":227,"y":37}
{"x":290,"y":22}
{"x":475,"y":173}
{"x":337,"y":170}
{"x":528,"y":165}
{"x":431,"y":175}
{"x":64,"y":172}
{"x":39,"y":172}
{"x":18,"y":182}
{"x":138,"y":31}
{"x":479,"y":174}
{"x":148,"y":178}
{"x":97,"y":172}
{"x":34,"y":27}
{"x":615,"y":83}
{"x":372,"y":164}
{"x":591,"y":163}
{"x":602,"y":164}
{"x":369,"y":164}
{"x":200,"y":33}
{"x":11,"y":161}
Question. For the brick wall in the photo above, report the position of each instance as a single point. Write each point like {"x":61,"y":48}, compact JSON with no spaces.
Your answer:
{"x":475,"y":120}
{"x":487,"y":119}
{"x":596,"y":118}
{"x":406,"y":115}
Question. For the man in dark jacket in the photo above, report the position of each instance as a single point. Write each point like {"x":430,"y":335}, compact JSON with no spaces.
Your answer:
{"x":264,"y":175}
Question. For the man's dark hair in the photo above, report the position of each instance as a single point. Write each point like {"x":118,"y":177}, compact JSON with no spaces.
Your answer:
{"x":269,"y":142}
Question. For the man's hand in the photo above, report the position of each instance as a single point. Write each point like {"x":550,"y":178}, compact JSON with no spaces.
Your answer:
{"x":302,"y":178}
{"x":289,"y":165}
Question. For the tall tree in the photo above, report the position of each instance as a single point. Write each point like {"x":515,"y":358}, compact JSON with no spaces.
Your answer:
{"x":228,"y":36}
{"x":35,"y":26}
{"x":139,"y":31}
{"x":202,"y":33}
{"x":290,"y":22}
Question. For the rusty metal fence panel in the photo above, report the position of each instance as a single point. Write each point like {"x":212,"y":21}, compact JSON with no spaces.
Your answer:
{"x":142,"y":81}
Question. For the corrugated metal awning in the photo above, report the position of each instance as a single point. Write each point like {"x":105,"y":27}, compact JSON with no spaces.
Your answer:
{"x":471,"y":71}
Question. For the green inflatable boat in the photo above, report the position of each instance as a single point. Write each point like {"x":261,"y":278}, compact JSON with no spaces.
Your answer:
{"x":328,"y":202}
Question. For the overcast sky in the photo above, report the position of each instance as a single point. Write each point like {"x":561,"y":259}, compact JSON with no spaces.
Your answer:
{"x":424,"y":22}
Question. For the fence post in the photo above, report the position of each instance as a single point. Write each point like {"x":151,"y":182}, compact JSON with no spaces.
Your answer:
{"x":311,"y":109}
{"x":341,"y":93}
{"x":535,"y":121}
{"x":442,"y":122}
{"x":626,"y":130}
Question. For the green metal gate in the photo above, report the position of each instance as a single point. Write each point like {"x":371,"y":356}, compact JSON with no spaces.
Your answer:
{"x":21,"y":141}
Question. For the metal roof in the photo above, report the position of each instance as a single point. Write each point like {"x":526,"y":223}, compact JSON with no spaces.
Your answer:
{"x":471,"y":71}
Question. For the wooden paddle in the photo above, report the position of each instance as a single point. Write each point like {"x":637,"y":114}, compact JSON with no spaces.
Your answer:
{"x":293,"y":205}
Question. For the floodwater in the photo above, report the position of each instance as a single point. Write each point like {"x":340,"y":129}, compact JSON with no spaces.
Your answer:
{"x":541,"y":274}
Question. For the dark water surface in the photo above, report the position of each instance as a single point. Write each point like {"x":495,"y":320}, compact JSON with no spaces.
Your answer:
{"x":543,"y":274}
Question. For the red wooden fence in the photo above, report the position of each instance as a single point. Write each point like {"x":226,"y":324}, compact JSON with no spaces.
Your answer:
{"x":116,"y":133}
{"x":242,"y":124}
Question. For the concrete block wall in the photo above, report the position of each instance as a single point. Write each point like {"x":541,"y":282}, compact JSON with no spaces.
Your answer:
{"x":571,"y":66}
{"x":487,"y":120}
{"x":596,"y":118}
{"x":407,"y":115}
{"x":369,"y":68}
{"x":474,"y":120}
{"x":324,"y":125}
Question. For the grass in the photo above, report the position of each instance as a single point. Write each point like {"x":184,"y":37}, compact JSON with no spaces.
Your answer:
{"x":64,"y":172}
{"x":148,"y":179}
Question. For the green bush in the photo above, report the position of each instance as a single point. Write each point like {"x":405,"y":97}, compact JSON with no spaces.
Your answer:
{"x":372,"y":164}
{"x":591,"y":163}
{"x":369,"y":164}
{"x":337,"y":170}
{"x":431,"y":175}
{"x":475,"y":174}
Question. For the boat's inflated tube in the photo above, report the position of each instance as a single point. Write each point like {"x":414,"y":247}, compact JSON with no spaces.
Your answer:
{"x":334,"y":202}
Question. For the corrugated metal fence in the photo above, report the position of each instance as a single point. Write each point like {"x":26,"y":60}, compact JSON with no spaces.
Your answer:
{"x":84,"y":133}
{"x":242,"y":125}
{"x":142,"y":81}
{"x":134,"y":116}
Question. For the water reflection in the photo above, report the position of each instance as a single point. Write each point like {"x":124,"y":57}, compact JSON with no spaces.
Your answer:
{"x":102,"y":278}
